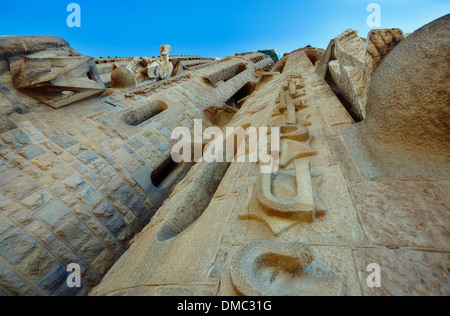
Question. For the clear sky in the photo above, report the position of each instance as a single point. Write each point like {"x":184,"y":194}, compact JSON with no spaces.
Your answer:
{"x":207,"y":27}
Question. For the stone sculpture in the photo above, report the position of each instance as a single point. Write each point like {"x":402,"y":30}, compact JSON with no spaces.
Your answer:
{"x":271,"y":269}
{"x":141,"y":71}
{"x":55,"y":76}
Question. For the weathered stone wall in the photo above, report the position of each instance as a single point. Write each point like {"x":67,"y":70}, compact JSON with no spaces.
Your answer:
{"x":76,"y":182}
{"x":256,"y":238}
{"x":184,"y":258}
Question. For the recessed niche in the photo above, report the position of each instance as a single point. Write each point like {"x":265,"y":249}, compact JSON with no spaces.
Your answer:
{"x":194,"y":199}
{"x":145,"y":112}
{"x":224,"y":74}
{"x":279,"y":66}
{"x":220,"y":116}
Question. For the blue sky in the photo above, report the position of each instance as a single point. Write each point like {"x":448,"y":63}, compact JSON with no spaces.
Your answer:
{"x":207,"y":27}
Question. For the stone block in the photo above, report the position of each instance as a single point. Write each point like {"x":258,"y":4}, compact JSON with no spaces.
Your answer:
{"x":125,"y":194}
{"x":53,"y":279}
{"x":65,"y":141}
{"x":58,"y":191}
{"x":13,"y":282}
{"x":16,"y":138}
{"x":104,"y":212}
{"x":31,"y":130}
{"x":77,"y":150}
{"x":91,"y":249}
{"x":38,"y":231}
{"x":404,"y":213}
{"x":63,"y":252}
{"x":103,"y":262}
{"x":4,"y":165}
{"x":166,"y":132}
{"x":23,"y":185}
{"x":5,"y":225}
{"x":58,"y":169}
{"x":135,"y":143}
{"x":163,"y":148}
{"x":107,"y":174}
{"x":140,"y":209}
{"x":37,"y":200}
{"x":36,"y":265}
{"x":116,"y":224}
{"x":404,"y":272}
{"x":80,"y":167}
{"x":73,"y":232}
{"x":87,"y":157}
{"x":126,"y":235}
{"x":21,"y":217}
{"x":74,"y":183}
{"x":93,"y":179}
{"x":53,"y":214}
{"x":107,"y":158}
{"x":32,"y":151}
{"x":16,"y":245}
{"x":50,"y":146}
{"x":6,"y":124}
{"x":89,"y":197}
{"x":338,"y":151}
{"x":80,"y":212}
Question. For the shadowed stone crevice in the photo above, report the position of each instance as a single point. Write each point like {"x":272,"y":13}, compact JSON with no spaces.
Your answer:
{"x":194,"y":199}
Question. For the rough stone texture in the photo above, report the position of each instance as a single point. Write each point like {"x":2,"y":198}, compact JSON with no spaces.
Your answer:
{"x":20,"y":45}
{"x":350,"y":72}
{"x":405,"y":272}
{"x":405,"y":213}
{"x":379,"y":44}
{"x":355,"y":62}
{"x":406,"y":133}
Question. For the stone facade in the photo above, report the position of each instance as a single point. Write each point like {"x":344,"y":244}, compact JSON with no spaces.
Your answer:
{"x":93,"y":182}
{"x":315,"y":226}
{"x":76,"y":182}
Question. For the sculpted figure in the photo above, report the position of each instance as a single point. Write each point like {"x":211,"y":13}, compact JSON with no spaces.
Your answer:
{"x":143,"y":70}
